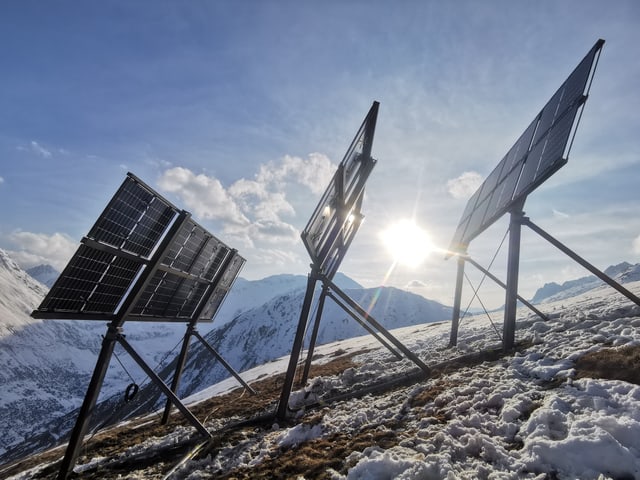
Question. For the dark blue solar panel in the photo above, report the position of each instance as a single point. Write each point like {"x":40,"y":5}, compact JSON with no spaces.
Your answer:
{"x":93,"y":282}
{"x":134,"y":220}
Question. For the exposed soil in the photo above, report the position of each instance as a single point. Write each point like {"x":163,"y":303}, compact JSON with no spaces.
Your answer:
{"x":612,"y":364}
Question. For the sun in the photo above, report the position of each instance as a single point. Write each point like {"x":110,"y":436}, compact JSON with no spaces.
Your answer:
{"x":407,"y":242}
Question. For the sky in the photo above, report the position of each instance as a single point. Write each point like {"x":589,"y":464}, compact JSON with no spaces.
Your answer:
{"x":239,"y":112}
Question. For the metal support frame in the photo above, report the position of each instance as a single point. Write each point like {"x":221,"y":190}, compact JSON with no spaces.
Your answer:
{"x":577,"y":258}
{"x":455,"y":317}
{"x":363,"y":322}
{"x":351,"y":307}
{"x":113,"y":335}
{"x":192,"y":331}
{"x":283,"y":405}
{"x":314,"y":334}
{"x":513,"y":268}
{"x":91,"y":397}
{"x":182,"y":359}
{"x":164,"y":387}
{"x":524,"y":301}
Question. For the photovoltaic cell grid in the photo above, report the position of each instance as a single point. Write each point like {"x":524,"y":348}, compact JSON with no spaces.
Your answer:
{"x":222,"y":288}
{"x":134,"y":220}
{"x":194,"y":268}
{"x":96,"y":279}
{"x":539,"y":152}
{"x":122,"y":245}
{"x":337,"y":216}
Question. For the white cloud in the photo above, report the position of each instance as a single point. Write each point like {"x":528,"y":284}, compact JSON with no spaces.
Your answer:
{"x":560,"y":215}
{"x":313,"y":173}
{"x":39,"y":248}
{"x":465,"y":185}
{"x":636,"y":245}
{"x":204,"y":195}
{"x":1,"y":180}
{"x":35,"y":147}
{"x":254,"y":211}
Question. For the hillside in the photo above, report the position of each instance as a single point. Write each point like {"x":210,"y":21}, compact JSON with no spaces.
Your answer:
{"x":563,"y":406}
{"x":47,"y":364}
{"x":622,"y":273}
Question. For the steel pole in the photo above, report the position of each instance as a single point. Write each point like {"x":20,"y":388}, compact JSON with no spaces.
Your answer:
{"x":283,"y":405}
{"x":513,"y":268}
{"x":455,"y":317}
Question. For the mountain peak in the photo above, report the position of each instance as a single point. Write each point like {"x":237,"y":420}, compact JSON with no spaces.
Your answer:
{"x":45,"y":274}
{"x":622,"y":273}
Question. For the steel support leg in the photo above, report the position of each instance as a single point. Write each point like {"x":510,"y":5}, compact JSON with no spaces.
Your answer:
{"x":175,"y":382}
{"x":574,"y":256}
{"x":364,"y":324}
{"x":373,"y":322}
{"x":503,"y":285}
{"x":164,"y":387}
{"x":225,"y":364}
{"x":93,"y":391}
{"x":455,"y":318}
{"x":283,"y":405}
{"x":314,"y":336}
{"x":513,"y":268}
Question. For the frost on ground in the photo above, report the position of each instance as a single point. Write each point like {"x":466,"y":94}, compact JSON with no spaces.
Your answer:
{"x":565,"y":405}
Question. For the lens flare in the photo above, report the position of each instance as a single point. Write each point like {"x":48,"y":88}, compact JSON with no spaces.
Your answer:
{"x":407,"y":242}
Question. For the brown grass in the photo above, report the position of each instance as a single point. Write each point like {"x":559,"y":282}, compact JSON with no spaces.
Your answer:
{"x":612,"y":364}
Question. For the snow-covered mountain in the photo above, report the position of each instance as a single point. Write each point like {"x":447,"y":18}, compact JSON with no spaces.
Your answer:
{"x":18,"y":294}
{"x":622,"y":273}
{"x":266,"y":333}
{"x":248,"y":294}
{"x":47,"y":364}
{"x":45,"y":274}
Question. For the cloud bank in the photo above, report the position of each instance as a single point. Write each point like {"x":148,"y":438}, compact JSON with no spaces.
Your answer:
{"x":254,"y":212}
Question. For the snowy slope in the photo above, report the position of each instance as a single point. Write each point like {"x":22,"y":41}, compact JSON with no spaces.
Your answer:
{"x":248,"y":294}
{"x":46,"y":365}
{"x":19,"y":293}
{"x":622,"y":273}
{"x":523,"y":416}
{"x":266,"y":333}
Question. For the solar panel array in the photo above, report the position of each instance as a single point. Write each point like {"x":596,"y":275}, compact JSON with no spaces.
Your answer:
{"x":337,"y":217}
{"x":189,"y":279}
{"x":539,"y":152}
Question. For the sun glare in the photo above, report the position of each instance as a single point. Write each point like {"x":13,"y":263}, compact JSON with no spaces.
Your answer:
{"x":407,"y":242}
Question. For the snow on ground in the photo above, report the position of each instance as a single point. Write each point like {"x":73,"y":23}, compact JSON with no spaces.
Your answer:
{"x":522,"y":416}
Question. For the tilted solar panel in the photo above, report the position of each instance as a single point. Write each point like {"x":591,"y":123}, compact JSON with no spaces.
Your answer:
{"x":539,"y":152}
{"x":142,"y":249}
{"x":331,"y":225}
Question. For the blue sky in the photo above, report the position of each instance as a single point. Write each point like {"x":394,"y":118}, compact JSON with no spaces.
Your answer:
{"x":240,"y":111}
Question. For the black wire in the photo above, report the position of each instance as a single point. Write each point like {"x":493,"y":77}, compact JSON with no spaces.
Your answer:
{"x":123,"y":367}
{"x":484,"y":308}
{"x":475,"y":291}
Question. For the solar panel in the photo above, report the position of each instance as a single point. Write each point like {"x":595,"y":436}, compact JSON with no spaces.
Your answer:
{"x":134,"y":220}
{"x":540,"y":151}
{"x":217,"y":297}
{"x":332,"y":224}
{"x":123,"y":246}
